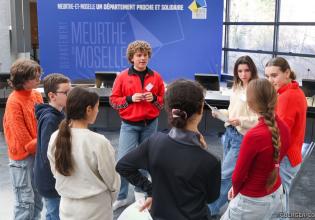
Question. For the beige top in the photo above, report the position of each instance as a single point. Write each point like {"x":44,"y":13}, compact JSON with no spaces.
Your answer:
{"x":94,"y":166}
{"x":239,"y":109}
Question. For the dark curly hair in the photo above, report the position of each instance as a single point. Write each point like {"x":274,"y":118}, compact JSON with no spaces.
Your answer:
{"x":183,"y":98}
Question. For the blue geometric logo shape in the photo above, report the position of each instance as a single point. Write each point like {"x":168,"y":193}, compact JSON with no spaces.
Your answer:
{"x":201,"y":3}
{"x":142,"y":33}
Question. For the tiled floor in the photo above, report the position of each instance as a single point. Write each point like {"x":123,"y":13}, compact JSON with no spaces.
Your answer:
{"x":302,"y":199}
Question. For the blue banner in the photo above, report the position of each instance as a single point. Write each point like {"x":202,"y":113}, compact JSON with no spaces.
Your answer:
{"x":79,"y":37}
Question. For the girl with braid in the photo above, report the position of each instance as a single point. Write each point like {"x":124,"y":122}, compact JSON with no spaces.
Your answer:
{"x":241,"y":119}
{"x":256,"y":191}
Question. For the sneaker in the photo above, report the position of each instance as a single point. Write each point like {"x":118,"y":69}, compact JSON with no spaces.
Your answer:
{"x":120,"y":203}
{"x":139,"y":196}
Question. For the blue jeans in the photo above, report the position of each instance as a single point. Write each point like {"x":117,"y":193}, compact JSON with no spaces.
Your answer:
{"x":248,"y":208}
{"x":28,"y":203}
{"x":130,"y":137}
{"x":52,"y":208}
{"x":231,"y":147}
{"x":287,"y":174}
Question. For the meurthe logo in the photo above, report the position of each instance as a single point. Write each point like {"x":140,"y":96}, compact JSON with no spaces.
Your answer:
{"x":198,"y":9}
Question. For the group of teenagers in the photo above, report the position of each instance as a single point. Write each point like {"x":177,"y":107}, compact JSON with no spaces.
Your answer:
{"x":55,"y":158}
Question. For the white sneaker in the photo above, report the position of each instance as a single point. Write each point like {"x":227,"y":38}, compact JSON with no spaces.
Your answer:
{"x":139,"y":196}
{"x":120,"y":203}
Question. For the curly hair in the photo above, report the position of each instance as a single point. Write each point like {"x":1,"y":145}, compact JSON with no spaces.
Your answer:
{"x":183,"y":98}
{"x":21,"y":71}
{"x":138,"y":46}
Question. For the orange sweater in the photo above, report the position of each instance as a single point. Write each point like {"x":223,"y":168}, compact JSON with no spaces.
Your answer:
{"x":19,"y":123}
{"x":291,"y":108}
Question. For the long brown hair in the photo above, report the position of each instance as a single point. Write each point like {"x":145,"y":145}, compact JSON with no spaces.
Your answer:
{"x":282,"y":64}
{"x":252,"y":68}
{"x":77,"y":102}
{"x":262,"y":98}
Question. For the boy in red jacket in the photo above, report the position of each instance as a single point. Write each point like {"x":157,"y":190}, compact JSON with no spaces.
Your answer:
{"x":138,"y":97}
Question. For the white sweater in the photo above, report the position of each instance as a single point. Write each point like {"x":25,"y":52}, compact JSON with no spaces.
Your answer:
{"x":239,"y":109}
{"x":94,"y":166}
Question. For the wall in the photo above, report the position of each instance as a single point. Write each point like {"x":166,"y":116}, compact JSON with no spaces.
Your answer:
{"x":5,"y":21}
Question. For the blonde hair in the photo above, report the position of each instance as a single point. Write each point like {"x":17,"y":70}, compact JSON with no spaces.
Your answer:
{"x":262,"y":98}
{"x":138,"y":46}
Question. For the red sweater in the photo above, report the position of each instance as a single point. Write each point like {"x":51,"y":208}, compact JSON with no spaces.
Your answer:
{"x":292,"y":108}
{"x":128,"y":83}
{"x":19,"y":123}
{"x":255,"y":161}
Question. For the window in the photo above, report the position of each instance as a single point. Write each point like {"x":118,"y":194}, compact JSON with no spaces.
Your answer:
{"x":253,"y":10}
{"x":297,"y":39}
{"x":251,"y":37}
{"x":303,"y":67}
{"x":297,"y":11}
{"x":264,"y":29}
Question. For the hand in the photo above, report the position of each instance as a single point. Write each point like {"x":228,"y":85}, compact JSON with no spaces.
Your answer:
{"x":234,"y":122}
{"x":231,"y":194}
{"x":137,"y":97}
{"x":203,"y":141}
{"x":147,"y":204}
{"x":214,"y":114}
{"x":148,"y":96}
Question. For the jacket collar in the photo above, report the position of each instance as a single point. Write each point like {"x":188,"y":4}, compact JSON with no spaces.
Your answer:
{"x":291,"y":85}
{"x":185,"y":136}
{"x":131,"y":71}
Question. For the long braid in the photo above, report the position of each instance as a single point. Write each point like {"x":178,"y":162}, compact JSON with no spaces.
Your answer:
{"x":262,"y":98}
{"x":272,"y":125}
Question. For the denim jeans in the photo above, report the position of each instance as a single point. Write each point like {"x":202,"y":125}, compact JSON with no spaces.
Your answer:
{"x":287,"y":174}
{"x":130,"y":137}
{"x":28,"y":203}
{"x":52,"y":208}
{"x":250,"y":208}
{"x":231,"y":147}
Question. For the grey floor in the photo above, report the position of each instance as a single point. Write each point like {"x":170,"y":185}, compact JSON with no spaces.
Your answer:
{"x":302,"y":198}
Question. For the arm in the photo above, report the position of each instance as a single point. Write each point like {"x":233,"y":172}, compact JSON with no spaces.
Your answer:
{"x":244,"y":162}
{"x":48,"y":127}
{"x":117,"y":99}
{"x":106,"y":167}
{"x":51,"y":153}
{"x":284,"y":111}
{"x":130,"y":164}
{"x":16,"y":132}
{"x":214,"y":183}
{"x":248,"y":121}
{"x":225,"y":112}
{"x":158,"y":98}
{"x":31,"y":147}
